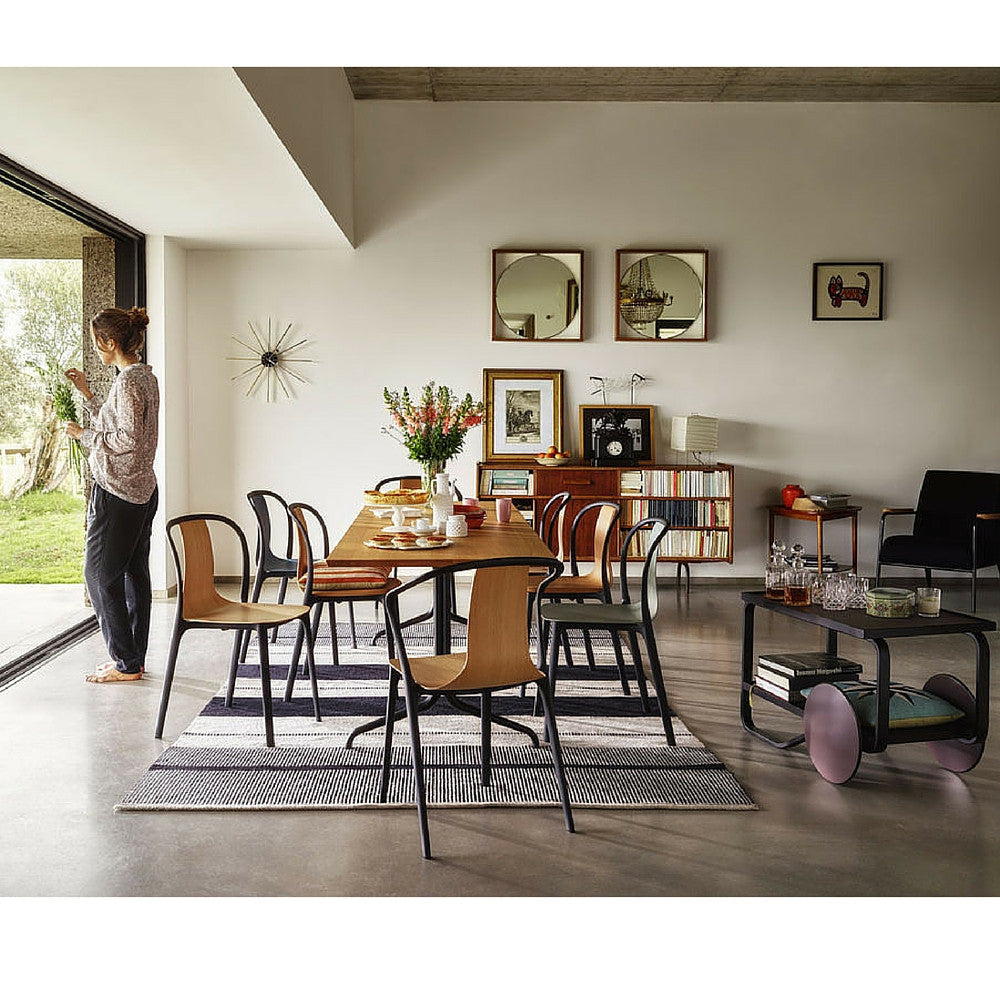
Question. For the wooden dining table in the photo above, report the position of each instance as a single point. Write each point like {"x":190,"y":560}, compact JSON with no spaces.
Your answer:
{"x":490,"y":541}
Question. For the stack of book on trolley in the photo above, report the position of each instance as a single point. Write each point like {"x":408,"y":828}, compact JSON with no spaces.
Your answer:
{"x":787,"y":675}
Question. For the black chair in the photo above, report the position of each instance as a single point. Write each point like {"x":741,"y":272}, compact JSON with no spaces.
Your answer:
{"x":200,"y":606}
{"x":498,"y":657}
{"x":270,"y":565}
{"x":629,"y":618}
{"x":955,"y":526}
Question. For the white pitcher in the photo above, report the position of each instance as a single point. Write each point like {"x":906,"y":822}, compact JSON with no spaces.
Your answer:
{"x":442,"y":502}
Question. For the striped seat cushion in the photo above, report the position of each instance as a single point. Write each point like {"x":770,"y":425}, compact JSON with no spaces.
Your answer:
{"x":346,"y":577}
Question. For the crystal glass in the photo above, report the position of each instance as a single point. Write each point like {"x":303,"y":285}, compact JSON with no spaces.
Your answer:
{"x":928,"y":601}
{"x":816,"y":588}
{"x":859,"y":587}
{"x":835,"y":591}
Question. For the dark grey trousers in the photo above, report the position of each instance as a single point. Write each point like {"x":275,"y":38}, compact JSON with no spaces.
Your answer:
{"x":116,"y":568}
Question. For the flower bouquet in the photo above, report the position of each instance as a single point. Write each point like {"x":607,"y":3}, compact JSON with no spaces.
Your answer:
{"x":433,"y":427}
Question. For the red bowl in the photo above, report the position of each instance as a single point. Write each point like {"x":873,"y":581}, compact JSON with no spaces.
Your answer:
{"x":474,"y":514}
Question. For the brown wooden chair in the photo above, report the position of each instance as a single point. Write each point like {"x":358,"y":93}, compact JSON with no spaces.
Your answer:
{"x":325,"y":583}
{"x":497,"y":657}
{"x":200,"y":606}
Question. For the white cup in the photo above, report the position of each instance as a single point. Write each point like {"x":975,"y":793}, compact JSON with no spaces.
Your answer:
{"x":423,"y":524}
{"x":456,"y":526}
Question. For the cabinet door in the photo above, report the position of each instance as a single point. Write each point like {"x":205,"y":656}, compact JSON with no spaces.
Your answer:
{"x":585,"y":484}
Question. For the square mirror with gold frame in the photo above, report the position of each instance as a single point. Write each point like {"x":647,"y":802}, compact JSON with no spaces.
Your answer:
{"x":661,"y":295}
{"x":538,"y":295}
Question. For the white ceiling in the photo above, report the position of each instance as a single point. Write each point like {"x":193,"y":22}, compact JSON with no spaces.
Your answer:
{"x":181,"y":152}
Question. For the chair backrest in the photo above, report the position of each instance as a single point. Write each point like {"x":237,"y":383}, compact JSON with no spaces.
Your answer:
{"x":301,"y":514}
{"x":259,"y":501}
{"x":497,"y":654}
{"x":194,"y":561}
{"x":552,"y":520}
{"x":949,"y":502}
{"x":657,"y":528}
{"x":601,"y":573}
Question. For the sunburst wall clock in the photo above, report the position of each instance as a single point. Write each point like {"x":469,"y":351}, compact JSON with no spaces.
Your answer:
{"x":272,"y":368}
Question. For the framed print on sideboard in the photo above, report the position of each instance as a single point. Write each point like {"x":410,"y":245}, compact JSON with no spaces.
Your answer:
{"x":523,"y":412}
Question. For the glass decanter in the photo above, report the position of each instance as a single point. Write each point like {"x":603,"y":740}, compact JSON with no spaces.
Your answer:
{"x":774,"y":573}
{"x":797,"y":579}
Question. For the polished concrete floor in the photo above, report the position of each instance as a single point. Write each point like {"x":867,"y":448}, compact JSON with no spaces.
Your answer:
{"x":903,"y":826}
{"x":31,"y":612}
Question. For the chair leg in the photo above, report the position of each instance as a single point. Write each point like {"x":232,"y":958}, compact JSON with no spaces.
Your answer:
{"x":390,"y":721}
{"x":640,"y":674}
{"x":878,"y":572}
{"x":591,"y":662}
{"x":973,"y":589}
{"x":168,"y":679}
{"x":486,"y":729}
{"x":661,"y":693}
{"x":354,"y":634}
{"x":566,"y":650}
{"x":258,"y":583}
{"x":616,"y":642}
{"x":331,"y":611}
{"x":282,"y":587}
{"x":265,"y":686}
{"x":311,"y":664}
{"x":556,"y":749}
{"x":412,"y":699}
{"x":234,"y":663}
{"x":293,"y":666}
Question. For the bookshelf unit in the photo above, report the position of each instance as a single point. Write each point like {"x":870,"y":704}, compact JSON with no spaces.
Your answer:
{"x":697,"y":500}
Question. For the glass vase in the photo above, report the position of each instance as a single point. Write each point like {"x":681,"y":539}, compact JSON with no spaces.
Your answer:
{"x":430,"y":470}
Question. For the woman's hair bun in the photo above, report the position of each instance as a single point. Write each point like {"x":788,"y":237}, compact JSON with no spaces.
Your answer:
{"x":138,"y":317}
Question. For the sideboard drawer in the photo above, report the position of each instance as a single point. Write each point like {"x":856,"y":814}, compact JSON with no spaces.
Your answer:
{"x":578,"y":481}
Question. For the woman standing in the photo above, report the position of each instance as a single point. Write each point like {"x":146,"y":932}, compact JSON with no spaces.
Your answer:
{"x":122,"y":442}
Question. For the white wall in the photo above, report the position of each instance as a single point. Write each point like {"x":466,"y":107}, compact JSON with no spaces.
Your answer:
{"x":166,"y":294}
{"x":767,"y":189}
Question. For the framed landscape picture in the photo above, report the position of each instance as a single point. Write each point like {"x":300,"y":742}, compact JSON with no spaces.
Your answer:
{"x":523,"y":412}
{"x":847,"y":291}
{"x":638,"y":421}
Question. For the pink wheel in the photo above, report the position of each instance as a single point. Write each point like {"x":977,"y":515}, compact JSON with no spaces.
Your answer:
{"x":955,"y":755}
{"x":833,"y":735}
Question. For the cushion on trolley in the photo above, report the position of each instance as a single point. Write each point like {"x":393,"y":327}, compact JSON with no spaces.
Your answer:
{"x":908,"y":706}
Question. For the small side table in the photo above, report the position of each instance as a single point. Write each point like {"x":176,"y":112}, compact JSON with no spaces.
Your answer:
{"x":820,"y":517}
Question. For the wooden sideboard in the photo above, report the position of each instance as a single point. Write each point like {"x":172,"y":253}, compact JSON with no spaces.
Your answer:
{"x":697,"y":500}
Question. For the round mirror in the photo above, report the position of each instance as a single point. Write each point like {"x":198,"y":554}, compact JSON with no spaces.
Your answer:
{"x":537,"y":297}
{"x":660,"y":296}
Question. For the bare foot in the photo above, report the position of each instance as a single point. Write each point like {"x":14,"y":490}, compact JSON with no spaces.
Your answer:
{"x":107,"y":673}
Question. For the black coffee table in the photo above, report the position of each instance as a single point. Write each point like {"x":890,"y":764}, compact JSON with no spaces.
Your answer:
{"x":834,"y":731}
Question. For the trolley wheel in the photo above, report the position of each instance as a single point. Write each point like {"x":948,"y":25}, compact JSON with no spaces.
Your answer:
{"x":833,"y":734}
{"x":958,"y":755}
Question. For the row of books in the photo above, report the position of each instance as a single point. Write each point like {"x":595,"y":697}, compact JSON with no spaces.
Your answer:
{"x":684,"y":513}
{"x":786,"y":675}
{"x":690,"y":544}
{"x":506,"y":482}
{"x":678,"y":482}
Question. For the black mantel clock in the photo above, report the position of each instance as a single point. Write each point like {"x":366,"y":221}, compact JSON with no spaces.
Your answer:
{"x":613,"y":442}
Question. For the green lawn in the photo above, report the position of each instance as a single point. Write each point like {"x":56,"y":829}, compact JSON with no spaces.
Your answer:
{"x":41,"y":538}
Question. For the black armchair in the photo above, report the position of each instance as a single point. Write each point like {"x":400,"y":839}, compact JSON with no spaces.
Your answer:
{"x":956,"y":526}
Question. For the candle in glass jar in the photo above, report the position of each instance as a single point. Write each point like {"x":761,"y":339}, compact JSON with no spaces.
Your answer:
{"x":928,"y":601}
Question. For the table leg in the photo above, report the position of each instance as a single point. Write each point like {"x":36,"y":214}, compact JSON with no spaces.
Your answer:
{"x":442,"y":615}
{"x":819,"y":544}
{"x":831,"y":642}
{"x":746,"y":675}
{"x":770,"y":530}
{"x":881,"y":696}
{"x":854,"y":541}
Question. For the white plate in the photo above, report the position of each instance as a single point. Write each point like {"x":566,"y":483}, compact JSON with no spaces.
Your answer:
{"x":390,"y":530}
{"x":433,"y":545}
{"x":423,"y":531}
{"x":386,"y":510}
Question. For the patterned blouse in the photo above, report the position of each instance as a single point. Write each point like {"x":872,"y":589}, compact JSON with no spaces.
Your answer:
{"x":123,"y":434}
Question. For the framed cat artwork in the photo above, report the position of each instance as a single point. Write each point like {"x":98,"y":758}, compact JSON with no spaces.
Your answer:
{"x":847,"y":291}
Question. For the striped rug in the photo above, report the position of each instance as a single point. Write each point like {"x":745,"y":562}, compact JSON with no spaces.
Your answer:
{"x":615,"y":757}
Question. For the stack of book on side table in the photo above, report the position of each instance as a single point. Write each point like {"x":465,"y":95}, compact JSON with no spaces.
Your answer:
{"x":785,"y":675}
{"x":831,"y":501}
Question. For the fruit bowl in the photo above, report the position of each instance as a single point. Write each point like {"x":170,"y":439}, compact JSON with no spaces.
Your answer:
{"x":553,"y":461}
